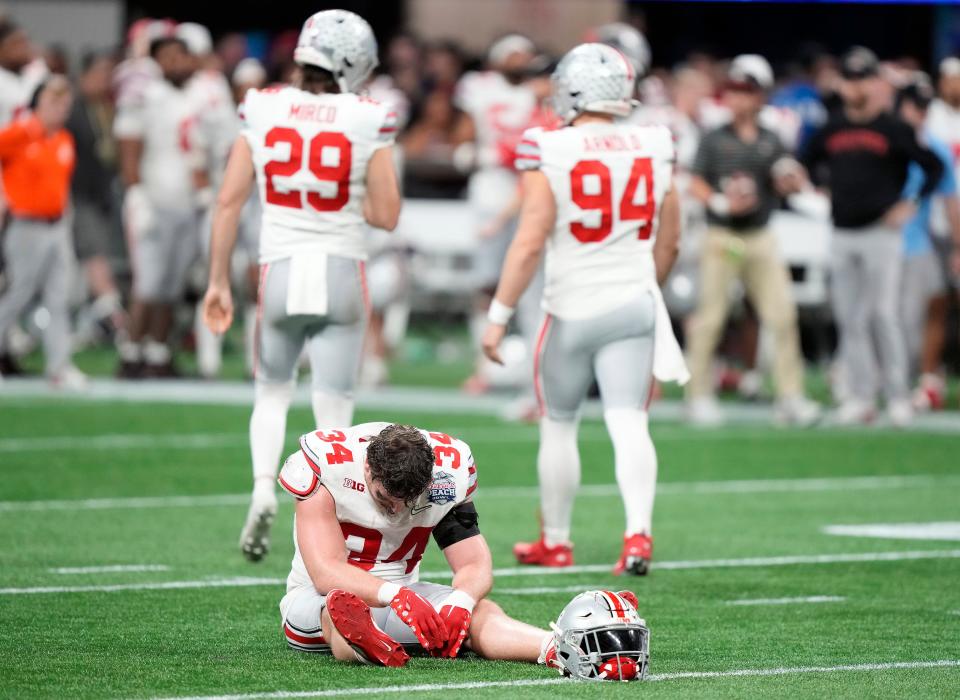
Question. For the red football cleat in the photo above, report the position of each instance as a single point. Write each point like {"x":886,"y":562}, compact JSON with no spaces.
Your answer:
{"x":630,"y":597}
{"x":351,"y":616}
{"x":540,"y":554}
{"x":637,"y":553}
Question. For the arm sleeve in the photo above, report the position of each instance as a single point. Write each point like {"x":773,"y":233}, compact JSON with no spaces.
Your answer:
{"x":462,"y":522}
{"x":298,"y":478}
{"x":924,"y":157}
{"x":813,"y":155}
{"x":701,"y":162}
{"x":386,"y":129}
{"x":948,"y":182}
{"x":130,"y":122}
{"x":528,"y":150}
{"x":19,"y":134}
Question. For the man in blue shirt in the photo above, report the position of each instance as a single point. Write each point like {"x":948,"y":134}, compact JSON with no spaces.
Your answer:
{"x":926,"y":278}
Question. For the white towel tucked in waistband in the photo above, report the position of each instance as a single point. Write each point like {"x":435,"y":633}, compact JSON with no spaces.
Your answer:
{"x":307,"y":286}
{"x":668,"y":362}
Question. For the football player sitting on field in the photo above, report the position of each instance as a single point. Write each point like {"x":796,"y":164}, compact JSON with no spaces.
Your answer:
{"x":368,"y":499}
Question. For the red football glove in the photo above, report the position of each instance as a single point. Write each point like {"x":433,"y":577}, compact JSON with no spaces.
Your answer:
{"x":456,"y":612}
{"x":420,"y":617}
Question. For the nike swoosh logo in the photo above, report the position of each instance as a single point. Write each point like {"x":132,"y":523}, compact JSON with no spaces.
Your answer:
{"x":417,"y":511}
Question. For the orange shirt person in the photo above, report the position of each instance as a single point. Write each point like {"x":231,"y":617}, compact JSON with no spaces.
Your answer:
{"x":37,"y":157}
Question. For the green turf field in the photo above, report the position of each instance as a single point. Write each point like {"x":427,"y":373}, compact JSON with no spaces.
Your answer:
{"x":739,"y":518}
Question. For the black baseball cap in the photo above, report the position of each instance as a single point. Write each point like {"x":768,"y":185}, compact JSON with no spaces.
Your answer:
{"x":858,"y":63}
{"x":917,"y":90}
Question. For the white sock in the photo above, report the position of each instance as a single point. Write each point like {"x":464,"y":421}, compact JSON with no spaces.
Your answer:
{"x":636,"y":465}
{"x":129,"y":351}
{"x":331,"y":410}
{"x":155,"y":353}
{"x":268,"y":427}
{"x":209,"y":346}
{"x":558,"y":468}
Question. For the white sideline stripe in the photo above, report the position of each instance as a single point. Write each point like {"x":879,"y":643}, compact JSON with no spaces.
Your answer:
{"x":431,"y":687}
{"x":240,"y":581}
{"x":115,"y":568}
{"x":946,"y":531}
{"x":789,"y":601}
{"x":244,"y":581}
{"x":726,"y":563}
{"x":589,"y":490}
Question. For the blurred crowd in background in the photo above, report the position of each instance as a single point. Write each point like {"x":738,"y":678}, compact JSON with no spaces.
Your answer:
{"x":461,"y":117}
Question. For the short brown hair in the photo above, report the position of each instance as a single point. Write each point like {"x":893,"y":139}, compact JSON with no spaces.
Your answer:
{"x":401,"y":459}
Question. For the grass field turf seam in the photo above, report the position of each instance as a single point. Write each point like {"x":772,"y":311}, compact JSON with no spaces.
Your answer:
{"x":215,"y":641}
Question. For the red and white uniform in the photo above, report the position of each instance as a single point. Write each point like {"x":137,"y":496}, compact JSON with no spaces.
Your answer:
{"x":388,"y":548}
{"x":166,"y":119}
{"x":500,"y":112}
{"x":608,"y":181}
{"x":219,"y":125}
{"x":310,"y":153}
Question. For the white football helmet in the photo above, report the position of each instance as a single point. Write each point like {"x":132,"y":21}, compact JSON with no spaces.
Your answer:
{"x":341,"y":42}
{"x":627,"y":40}
{"x":593,"y":78}
{"x":601,"y":636}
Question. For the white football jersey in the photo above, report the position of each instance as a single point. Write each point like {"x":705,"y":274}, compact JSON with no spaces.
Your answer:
{"x":501,"y":112}
{"x":608,"y":182}
{"x":310,"y":153}
{"x":165,"y":118}
{"x":219,"y":124}
{"x":16,"y":89}
{"x":385,"y":547}
{"x":943,"y":122}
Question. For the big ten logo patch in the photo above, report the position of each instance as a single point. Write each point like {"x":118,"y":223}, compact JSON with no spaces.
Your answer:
{"x":355,"y":485}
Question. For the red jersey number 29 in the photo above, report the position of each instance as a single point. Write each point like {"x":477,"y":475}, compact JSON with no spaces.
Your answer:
{"x":325,"y":142}
{"x":637,"y":202}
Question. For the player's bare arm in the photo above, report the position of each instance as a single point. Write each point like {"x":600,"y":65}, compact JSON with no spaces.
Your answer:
{"x":321,"y":545}
{"x":536,"y":222}
{"x":381,"y":206}
{"x":666,"y":247}
{"x":237,"y":184}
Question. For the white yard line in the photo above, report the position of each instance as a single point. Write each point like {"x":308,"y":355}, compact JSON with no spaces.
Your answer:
{"x":238,"y":582}
{"x":726,"y":563}
{"x":479,"y":685}
{"x":243,"y":581}
{"x":867,"y":483}
{"x":113,"y":568}
{"x":789,"y":601}
{"x":393,"y":398}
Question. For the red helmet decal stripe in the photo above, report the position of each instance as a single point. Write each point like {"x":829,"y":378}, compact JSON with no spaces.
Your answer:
{"x":615,"y":604}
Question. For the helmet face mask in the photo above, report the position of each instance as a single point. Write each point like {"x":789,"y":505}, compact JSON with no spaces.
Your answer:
{"x":593,"y":78}
{"x":340,"y":42}
{"x":599,"y":636}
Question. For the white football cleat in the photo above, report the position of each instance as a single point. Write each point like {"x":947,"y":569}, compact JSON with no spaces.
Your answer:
{"x":900,"y":413}
{"x":704,"y":412}
{"x":69,"y":379}
{"x":853,"y":412}
{"x":255,"y":536}
{"x":797,"y":411}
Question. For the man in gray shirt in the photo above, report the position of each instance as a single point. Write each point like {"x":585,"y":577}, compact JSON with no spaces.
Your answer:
{"x":740,"y":171}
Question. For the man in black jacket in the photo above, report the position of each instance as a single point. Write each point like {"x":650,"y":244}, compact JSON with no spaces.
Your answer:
{"x":862,"y":155}
{"x":95,"y":226}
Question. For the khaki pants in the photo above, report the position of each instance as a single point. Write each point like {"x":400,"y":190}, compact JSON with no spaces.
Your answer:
{"x":753,"y":258}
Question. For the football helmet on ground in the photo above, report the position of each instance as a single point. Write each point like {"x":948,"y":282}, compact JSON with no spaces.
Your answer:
{"x":600,"y":636}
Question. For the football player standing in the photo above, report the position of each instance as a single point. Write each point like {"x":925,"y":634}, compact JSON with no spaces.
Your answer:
{"x":598,"y":196}
{"x":322,"y":158}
